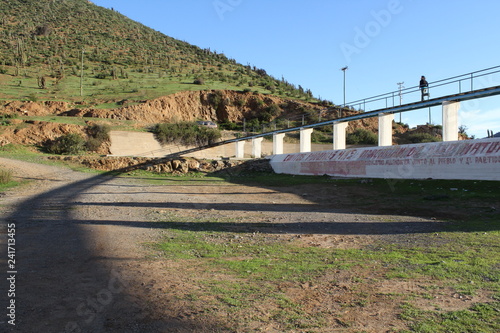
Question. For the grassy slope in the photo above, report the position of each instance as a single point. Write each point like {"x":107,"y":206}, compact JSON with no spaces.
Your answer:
{"x":46,"y":38}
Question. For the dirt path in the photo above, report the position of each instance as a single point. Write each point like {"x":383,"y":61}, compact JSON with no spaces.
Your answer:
{"x":81,"y":265}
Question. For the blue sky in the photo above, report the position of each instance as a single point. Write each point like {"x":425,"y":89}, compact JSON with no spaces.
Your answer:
{"x":382,"y":41}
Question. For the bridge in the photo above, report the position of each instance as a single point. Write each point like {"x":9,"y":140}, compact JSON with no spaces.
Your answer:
{"x":462,"y":86}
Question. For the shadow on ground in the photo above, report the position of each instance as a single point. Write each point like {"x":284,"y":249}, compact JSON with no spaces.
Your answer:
{"x":65,"y":285}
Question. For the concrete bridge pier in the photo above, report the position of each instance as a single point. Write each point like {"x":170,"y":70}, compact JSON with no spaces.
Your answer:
{"x":385,"y":129}
{"x":339,"y":135}
{"x":305,"y":140}
{"x":240,"y":149}
{"x":257,"y":147}
{"x":450,"y":120}
{"x":278,"y":143}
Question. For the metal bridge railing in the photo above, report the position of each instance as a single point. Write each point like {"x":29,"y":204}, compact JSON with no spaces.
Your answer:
{"x":442,"y":90}
{"x":449,"y":86}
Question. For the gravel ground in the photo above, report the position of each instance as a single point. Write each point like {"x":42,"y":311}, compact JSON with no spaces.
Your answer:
{"x":81,"y":265}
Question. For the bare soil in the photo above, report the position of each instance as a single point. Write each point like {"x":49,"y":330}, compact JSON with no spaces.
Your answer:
{"x":82,"y":265}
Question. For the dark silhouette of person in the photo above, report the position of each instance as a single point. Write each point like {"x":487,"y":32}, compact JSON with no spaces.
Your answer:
{"x":424,"y":87}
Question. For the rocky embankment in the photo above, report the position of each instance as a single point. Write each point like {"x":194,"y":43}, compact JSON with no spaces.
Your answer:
{"x":174,"y":166}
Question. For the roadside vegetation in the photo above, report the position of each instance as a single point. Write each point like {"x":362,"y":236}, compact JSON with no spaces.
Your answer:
{"x":6,"y":179}
{"x":186,"y":133}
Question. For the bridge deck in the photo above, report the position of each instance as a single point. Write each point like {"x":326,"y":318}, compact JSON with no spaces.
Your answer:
{"x":475,"y":94}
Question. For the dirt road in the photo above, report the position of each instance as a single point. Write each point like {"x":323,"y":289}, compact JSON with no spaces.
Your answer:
{"x":80,"y":264}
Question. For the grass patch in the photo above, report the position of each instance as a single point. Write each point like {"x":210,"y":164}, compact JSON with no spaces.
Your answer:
{"x":252,"y":262}
{"x":6,"y":180}
{"x":478,"y":318}
{"x":5,"y":176}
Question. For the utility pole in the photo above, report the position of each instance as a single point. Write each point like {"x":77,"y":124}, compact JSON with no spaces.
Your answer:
{"x":401,"y":87}
{"x":343,"y":69}
{"x":81,"y":75}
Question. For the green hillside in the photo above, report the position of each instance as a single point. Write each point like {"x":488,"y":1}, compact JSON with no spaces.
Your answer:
{"x":43,"y":42}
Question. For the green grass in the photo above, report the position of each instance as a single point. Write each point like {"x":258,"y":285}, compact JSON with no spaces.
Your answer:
{"x":478,"y":318}
{"x":6,"y":180}
{"x":32,"y":155}
{"x":252,"y":264}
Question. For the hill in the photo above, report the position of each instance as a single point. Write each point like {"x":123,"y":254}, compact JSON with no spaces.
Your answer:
{"x":44,"y":42}
{"x":73,"y":58}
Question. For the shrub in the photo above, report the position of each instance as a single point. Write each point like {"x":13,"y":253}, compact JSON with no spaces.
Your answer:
{"x":5,"y":176}
{"x":253,"y":124}
{"x":227,"y":125}
{"x":93,"y":144}
{"x":69,"y":144}
{"x":186,"y":133}
{"x":216,"y":99}
{"x":274,"y":110}
{"x":199,"y":81}
{"x":100,"y":132}
{"x":98,"y":135}
{"x":318,"y":136}
{"x":240,"y":102}
{"x":422,"y":137}
{"x":362,"y":136}
{"x":5,"y":118}
{"x":265,"y":117}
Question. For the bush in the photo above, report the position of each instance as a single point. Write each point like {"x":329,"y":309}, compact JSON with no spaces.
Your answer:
{"x":69,"y":144}
{"x":5,"y":176}
{"x":422,"y":138}
{"x":216,"y":99}
{"x":98,"y":135}
{"x":5,"y":119}
{"x":274,"y":110}
{"x":253,"y":124}
{"x":99,"y":132}
{"x":199,"y":81}
{"x":227,"y":125}
{"x":362,"y":136}
{"x":93,"y":144}
{"x":186,"y":133}
{"x":318,"y":136}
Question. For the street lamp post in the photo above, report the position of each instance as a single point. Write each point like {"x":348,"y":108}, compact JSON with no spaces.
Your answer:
{"x":401,"y":87}
{"x":343,"y":69}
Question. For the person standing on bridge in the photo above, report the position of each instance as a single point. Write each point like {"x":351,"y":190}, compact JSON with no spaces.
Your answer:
{"x":424,"y":87}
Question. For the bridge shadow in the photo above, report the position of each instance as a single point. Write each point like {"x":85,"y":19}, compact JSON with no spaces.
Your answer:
{"x":337,"y":228}
{"x":64,"y":284}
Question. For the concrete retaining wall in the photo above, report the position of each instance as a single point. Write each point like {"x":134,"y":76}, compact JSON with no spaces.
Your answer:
{"x":470,"y":159}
